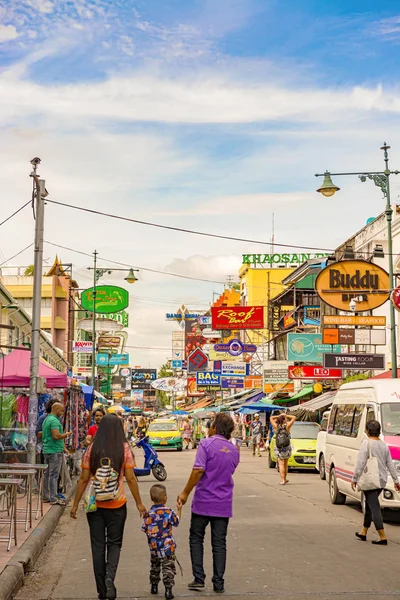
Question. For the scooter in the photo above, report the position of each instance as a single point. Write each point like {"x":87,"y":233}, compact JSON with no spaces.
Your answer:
{"x":151,"y":462}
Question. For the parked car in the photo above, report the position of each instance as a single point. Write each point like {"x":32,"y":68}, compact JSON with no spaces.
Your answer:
{"x":354,"y":405}
{"x":320,"y":465}
{"x":165,"y":433}
{"x":304,"y":442}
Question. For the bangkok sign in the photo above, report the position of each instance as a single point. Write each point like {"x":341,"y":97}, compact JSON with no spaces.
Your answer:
{"x":109,"y":299}
{"x":358,"y":280}
{"x":237,"y":317}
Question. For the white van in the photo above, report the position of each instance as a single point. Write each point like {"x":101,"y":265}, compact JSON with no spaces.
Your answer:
{"x":321,"y":445}
{"x":354,"y":405}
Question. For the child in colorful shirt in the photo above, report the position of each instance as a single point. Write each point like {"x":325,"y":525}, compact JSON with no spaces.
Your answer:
{"x":157,"y":526}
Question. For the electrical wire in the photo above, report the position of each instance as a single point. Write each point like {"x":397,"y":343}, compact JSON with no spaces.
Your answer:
{"x":15,"y":213}
{"x":180,"y":229}
{"x":15,"y":255}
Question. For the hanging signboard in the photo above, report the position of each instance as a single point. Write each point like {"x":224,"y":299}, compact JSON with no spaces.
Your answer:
{"x":342,"y":281}
{"x":354,"y":320}
{"x":109,"y":299}
{"x":236,"y":368}
{"x":362,"y":337}
{"x":296,"y":372}
{"x":82,"y":347}
{"x":395,"y":298}
{"x":308,"y":347}
{"x":232,"y":383}
{"x":142,"y":378}
{"x":112,"y":359}
{"x":276,"y":371}
{"x":207,"y":381}
{"x":120,"y":317}
{"x":109,"y":341}
{"x":237,"y":317}
{"x":170,"y":384}
{"x":235,"y":347}
{"x":217,"y":355}
{"x":203,"y":320}
{"x":197,"y":361}
{"x":355,"y":361}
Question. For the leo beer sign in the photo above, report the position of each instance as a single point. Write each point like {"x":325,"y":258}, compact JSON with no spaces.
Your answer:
{"x":237,"y":317}
{"x":309,"y":372}
{"x":342,"y":281}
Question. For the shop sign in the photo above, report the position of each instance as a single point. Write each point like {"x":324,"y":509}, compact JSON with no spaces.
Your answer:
{"x":192,"y":387}
{"x":207,"y":381}
{"x":82,"y":347}
{"x":142,"y":378}
{"x":170,"y":384}
{"x":235,"y":347}
{"x":209,"y":333}
{"x":109,"y":341}
{"x":182,"y":315}
{"x":109,"y":299}
{"x":342,"y":281}
{"x":354,"y":320}
{"x":275,"y":317}
{"x":395,"y":298}
{"x":289,"y":320}
{"x":276,"y":371}
{"x":237,"y":368}
{"x":120,"y":317}
{"x":197,"y":361}
{"x":237,"y":317}
{"x":286,"y":259}
{"x":112,"y":359}
{"x":308,"y":347}
{"x":296,"y":372}
{"x":176,"y":364}
{"x":232,"y":383}
{"x":203,"y":320}
{"x":217,"y":355}
{"x":253,"y":382}
{"x":355,"y":361}
{"x":362,"y":337}
{"x":271,"y":388}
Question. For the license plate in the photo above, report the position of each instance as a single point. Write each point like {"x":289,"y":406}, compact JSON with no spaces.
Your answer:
{"x":163,"y":443}
{"x":309,"y":459}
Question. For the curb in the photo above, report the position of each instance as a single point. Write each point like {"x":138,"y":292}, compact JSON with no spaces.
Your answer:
{"x":13,"y":576}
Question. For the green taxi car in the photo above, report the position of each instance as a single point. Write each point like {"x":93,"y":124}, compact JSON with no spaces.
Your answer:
{"x":304,"y":444}
{"x":164,"y":434}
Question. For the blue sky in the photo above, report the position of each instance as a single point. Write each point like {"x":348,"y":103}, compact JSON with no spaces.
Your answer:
{"x":205,"y":114}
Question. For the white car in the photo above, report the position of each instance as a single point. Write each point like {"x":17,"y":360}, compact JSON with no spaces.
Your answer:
{"x":321,"y":445}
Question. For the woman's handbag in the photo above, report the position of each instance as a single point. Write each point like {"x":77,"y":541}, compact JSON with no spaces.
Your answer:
{"x":369,"y":479}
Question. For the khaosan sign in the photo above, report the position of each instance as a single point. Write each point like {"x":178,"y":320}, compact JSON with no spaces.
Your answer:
{"x":366,"y":283}
{"x":109,"y":299}
{"x":279,"y":259}
{"x":237,"y":317}
{"x":308,"y":347}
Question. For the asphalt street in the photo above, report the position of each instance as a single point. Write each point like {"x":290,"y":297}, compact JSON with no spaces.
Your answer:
{"x":284,"y":542}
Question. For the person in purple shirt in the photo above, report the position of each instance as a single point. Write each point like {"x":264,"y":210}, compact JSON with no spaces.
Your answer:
{"x":214,"y":466}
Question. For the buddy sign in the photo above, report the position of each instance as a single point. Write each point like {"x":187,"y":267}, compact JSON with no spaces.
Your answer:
{"x":342,"y":281}
{"x":109,"y":299}
{"x":237,"y":317}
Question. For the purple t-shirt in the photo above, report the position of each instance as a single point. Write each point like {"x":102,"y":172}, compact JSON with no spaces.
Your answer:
{"x":219,"y":458}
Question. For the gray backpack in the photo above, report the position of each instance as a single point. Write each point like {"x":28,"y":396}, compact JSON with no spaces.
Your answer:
{"x":282,"y":438}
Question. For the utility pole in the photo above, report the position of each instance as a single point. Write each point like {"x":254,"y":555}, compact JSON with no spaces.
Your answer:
{"x":94,"y":318}
{"x":39,"y":193}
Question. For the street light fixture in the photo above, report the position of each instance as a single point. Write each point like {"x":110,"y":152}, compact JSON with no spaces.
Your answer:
{"x":131,"y":277}
{"x":381,"y":180}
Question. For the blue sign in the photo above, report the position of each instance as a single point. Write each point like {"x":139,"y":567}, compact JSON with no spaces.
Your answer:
{"x":176,"y":364}
{"x":208,"y":381}
{"x":112,"y":359}
{"x":231,"y":383}
{"x":308,"y":347}
{"x":218,"y":366}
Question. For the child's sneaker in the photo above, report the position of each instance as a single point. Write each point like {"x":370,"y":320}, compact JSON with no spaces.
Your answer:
{"x":154,"y":589}
{"x":168,"y":594}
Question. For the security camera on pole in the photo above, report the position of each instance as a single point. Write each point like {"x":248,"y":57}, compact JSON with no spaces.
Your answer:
{"x":38,"y":195}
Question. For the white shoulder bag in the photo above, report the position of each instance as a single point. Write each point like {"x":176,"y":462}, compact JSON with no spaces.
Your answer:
{"x":369,"y":479}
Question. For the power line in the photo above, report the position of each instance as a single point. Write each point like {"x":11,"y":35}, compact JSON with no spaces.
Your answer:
{"x":15,"y":255}
{"x":114,"y":262}
{"x":16,"y":212}
{"x":180,"y":229}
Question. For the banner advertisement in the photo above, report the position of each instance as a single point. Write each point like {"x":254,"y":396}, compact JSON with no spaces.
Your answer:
{"x":355,"y":361}
{"x":276,"y":371}
{"x":137,"y":396}
{"x":142,"y":378}
{"x":207,"y":381}
{"x":237,"y":317}
{"x":308,"y":347}
{"x":82,"y":347}
{"x":193,"y":336}
{"x":296,"y":372}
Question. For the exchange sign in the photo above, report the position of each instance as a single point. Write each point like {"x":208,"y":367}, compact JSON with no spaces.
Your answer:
{"x":237,"y":317}
{"x":109,"y":299}
{"x":355,"y":361}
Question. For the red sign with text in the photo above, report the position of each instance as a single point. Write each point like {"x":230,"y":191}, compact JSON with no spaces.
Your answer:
{"x":296,"y":372}
{"x":237,"y":317}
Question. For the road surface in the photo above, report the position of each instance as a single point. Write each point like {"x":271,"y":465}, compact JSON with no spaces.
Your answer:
{"x":284,"y":542}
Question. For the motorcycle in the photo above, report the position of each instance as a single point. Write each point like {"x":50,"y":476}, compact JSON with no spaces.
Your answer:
{"x":151,"y":462}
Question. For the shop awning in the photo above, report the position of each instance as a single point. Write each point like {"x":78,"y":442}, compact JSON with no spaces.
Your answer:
{"x":319,"y":403}
{"x":15,"y":367}
{"x":304,"y":392}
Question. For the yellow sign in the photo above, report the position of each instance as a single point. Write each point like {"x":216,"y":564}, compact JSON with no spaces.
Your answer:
{"x":214,"y":355}
{"x":354,"y":320}
{"x":359,"y":282}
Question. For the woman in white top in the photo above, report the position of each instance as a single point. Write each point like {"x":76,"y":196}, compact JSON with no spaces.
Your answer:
{"x":381,"y":451}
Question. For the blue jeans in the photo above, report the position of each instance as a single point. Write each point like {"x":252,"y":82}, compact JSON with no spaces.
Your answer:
{"x":51,"y":475}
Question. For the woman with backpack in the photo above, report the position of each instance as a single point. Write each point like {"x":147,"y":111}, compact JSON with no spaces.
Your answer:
{"x":105,"y":464}
{"x":282,"y":425}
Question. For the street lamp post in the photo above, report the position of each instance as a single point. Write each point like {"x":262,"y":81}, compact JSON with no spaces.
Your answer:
{"x":97,"y":274}
{"x":381,"y":180}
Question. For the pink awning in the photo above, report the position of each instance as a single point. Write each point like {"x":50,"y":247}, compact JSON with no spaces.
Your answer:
{"x":14,"y":371}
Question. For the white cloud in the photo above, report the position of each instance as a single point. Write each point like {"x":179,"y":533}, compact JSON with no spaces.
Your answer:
{"x":43,"y":6}
{"x":206,"y":267}
{"x":8,"y":33}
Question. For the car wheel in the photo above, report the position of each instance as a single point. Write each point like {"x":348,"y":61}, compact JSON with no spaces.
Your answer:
{"x":271,"y":463}
{"x":335,"y":496}
{"x":322,"y":472}
{"x":179,"y":448}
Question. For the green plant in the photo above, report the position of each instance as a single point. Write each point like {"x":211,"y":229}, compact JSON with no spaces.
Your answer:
{"x":357,"y":377}
{"x":29,"y":271}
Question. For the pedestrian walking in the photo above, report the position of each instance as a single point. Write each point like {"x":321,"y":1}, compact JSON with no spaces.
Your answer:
{"x":158,"y":525}
{"x":130,"y":427}
{"x":256,"y":429}
{"x":374,"y":447}
{"x":106,"y":462}
{"x":209,"y":423}
{"x":282,"y":425}
{"x":98,"y":414}
{"x":187,"y":434}
{"x":212,"y":476}
{"x":237,"y":434}
{"x":53,"y":452}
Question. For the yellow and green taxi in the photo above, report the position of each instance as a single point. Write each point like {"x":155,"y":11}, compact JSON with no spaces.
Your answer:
{"x":304,"y":446}
{"x":164,"y":433}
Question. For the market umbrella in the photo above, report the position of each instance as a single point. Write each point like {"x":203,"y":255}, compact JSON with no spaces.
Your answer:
{"x":118,"y":407}
{"x":179,"y":412}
